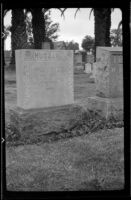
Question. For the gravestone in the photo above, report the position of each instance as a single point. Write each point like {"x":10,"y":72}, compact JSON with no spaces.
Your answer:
{"x":77,"y":58}
{"x":45,"y":94}
{"x":88,"y":68}
{"x":109,"y":72}
{"x":44,"y":78}
{"x":93,"y":71}
{"x":109,"y":82}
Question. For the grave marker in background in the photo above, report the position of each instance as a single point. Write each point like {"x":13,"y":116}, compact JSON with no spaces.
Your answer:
{"x":88,"y":68}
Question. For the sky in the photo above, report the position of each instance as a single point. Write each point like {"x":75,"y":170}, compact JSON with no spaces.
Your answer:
{"x":73,"y":28}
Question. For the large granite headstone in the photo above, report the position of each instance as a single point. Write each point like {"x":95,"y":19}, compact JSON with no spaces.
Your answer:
{"x":45,"y":94}
{"x":44,"y":78}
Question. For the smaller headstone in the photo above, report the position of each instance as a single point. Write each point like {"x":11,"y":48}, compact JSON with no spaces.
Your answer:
{"x":88,"y":68}
{"x":108,"y":73}
{"x":93,"y":71}
{"x":77,"y":58}
{"x":46,"y":45}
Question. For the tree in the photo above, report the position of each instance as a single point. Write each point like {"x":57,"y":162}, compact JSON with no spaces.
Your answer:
{"x":38,"y":25}
{"x":18,"y":32}
{"x":116,"y":37}
{"x":50,"y":29}
{"x":102,"y":25}
{"x":72,"y":45}
{"x":6,"y":34}
{"x":5,"y":31}
{"x":88,"y":44}
{"x":29,"y":29}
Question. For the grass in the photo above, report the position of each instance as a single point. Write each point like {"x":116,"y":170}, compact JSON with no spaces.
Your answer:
{"x":88,"y":162}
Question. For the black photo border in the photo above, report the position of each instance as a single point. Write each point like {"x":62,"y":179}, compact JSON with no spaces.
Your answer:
{"x":125,"y":7}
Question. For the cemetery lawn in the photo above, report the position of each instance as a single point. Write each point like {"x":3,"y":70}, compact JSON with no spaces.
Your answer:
{"x":89,"y":162}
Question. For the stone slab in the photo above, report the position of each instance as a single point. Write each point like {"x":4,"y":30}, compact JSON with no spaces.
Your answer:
{"x":44,"y":78}
{"x":106,"y":107}
{"x":35,"y":122}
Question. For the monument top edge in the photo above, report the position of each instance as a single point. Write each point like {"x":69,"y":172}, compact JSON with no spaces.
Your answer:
{"x":55,"y":50}
{"x":110,"y":48}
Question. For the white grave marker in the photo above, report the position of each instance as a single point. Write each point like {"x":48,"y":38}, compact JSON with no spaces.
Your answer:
{"x":88,"y":68}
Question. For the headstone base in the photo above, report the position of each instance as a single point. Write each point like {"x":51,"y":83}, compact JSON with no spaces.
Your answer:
{"x":106,"y":107}
{"x":37,"y":122}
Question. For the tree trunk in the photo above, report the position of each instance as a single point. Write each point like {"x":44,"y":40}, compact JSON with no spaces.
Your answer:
{"x":102,"y":27}
{"x":18,"y":32}
{"x":38,"y":25}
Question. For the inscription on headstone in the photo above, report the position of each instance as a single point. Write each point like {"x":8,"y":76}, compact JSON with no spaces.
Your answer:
{"x":44,"y":78}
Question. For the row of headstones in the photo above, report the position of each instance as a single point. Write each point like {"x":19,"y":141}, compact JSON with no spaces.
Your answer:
{"x":107,"y":70}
